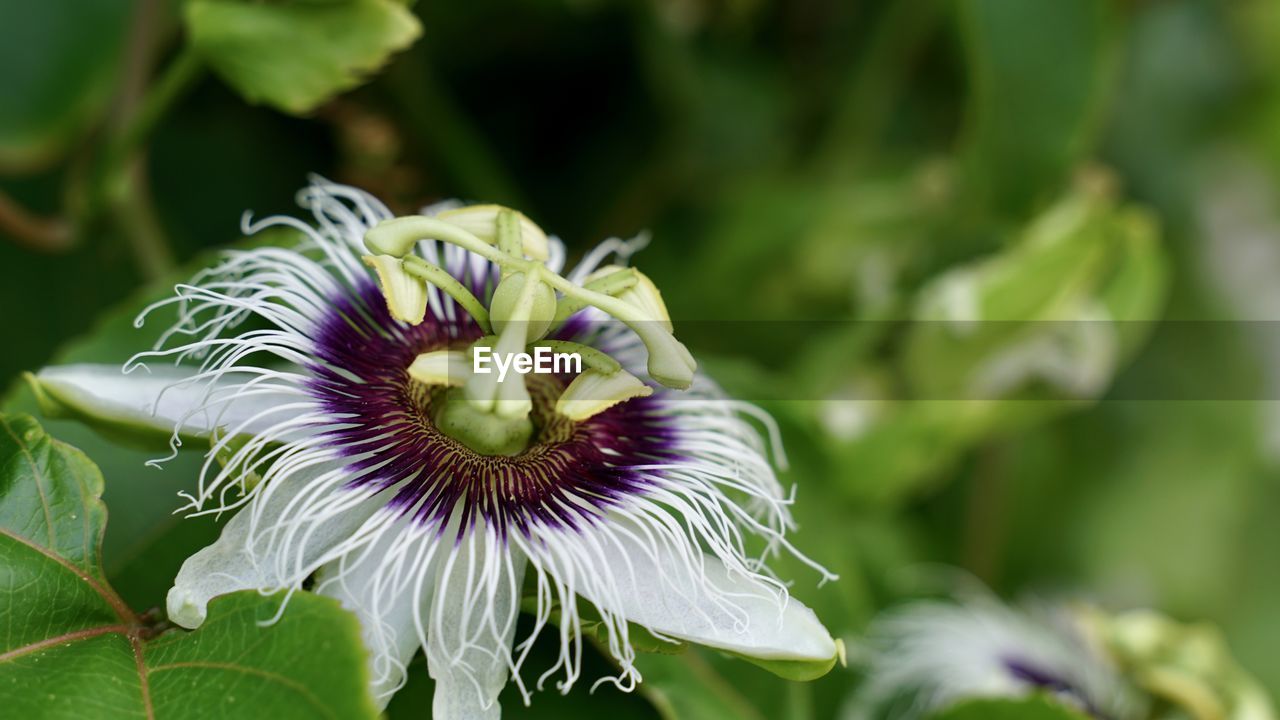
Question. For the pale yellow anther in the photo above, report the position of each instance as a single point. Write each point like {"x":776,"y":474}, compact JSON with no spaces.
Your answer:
{"x":593,"y":392}
{"x":644,"y":295}
{"x":670,"y":362}
{"x":441,"y":367}
{"x":406,"y":295}
{"x":482,"y":221}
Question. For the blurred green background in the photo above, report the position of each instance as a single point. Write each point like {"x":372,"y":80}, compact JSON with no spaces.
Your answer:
{"x":1047,"y":165}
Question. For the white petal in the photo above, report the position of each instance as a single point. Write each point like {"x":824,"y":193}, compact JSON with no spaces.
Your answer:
{"x":247,"y":555}
{"x":471,"y":625}
{"x":655,"y":584}
{"x":160,"y":401}
{"x":362,"y":582}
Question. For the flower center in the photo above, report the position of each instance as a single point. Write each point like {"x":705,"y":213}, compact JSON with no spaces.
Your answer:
{"x":448,"y":411}
{"x":389,"y":427}
{"x":527,"y":302}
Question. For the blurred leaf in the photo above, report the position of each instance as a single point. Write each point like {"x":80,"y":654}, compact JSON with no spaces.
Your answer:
{"x":296,"y":54}
{"x":1038,"y":75}
{"x":1032,"y":709}
{"x":58,"y":62}
{"x":76,"y":649}
{"x":687,"y":687}
{"x":1058,"y":311}
{"x":1004,"y":343}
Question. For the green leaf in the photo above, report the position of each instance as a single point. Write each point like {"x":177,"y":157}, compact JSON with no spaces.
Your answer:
{"x":71,"y":648}
{"x":688,"y":687}
{"x":58,"y":62}
{"x":1029,"y":709}
{"x":295,"y":55}
{"x":1055,"y":313}
{"x":1038,"y":73}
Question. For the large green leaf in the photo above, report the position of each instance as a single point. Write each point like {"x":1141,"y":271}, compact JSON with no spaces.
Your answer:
{"x":295,"y":55}
{"x":71,"y":648}
{"x":58,"y":59}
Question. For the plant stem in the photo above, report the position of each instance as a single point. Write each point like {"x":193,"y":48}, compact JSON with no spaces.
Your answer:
{"x":49,"y":235}
{"x":877,"y":81}
{"x":128,"y":191}
{"x":984,"y":529}
{"x":178,"y":77}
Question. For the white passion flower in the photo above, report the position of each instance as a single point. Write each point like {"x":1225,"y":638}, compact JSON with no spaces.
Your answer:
{"x":930,"y":655}
{"x":357,"y":451}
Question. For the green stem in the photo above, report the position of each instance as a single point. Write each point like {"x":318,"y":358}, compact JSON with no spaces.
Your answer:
{"x":610,"y":284}
{"x":178,"y":77}
{"x":396,"y":237}
{"x":437,"y":276}
{"x":799,"y":701}
{"x":123,"y":179}
{"x":877,"y":81}
{"x":612,"y":305}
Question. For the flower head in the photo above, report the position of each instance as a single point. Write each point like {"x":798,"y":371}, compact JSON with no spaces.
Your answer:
{"x":1137,"y":665}
{"x":928,"y":656}
{"x":359,"y":451}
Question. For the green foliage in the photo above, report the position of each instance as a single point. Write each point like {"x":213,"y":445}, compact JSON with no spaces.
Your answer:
{"x":296,"y":55}
{"x":1032,"y":709}
{"x":1039,"y":73}
{"x":1061,"y":307}
{"x":58,"y":61}
{"x":72,"y":648}
{"x":686,"y":688}
{"x":826,"y":172}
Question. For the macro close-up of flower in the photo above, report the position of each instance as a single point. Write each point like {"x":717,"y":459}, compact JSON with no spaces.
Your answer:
{"x":421,"y":499}
{"x":639,"y":360}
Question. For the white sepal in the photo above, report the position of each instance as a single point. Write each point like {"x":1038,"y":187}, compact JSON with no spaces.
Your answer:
{"x":251,"y":553}
{"x":472,"y":621}
{"x":663,"y":582}
{"x":161,"y":399}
